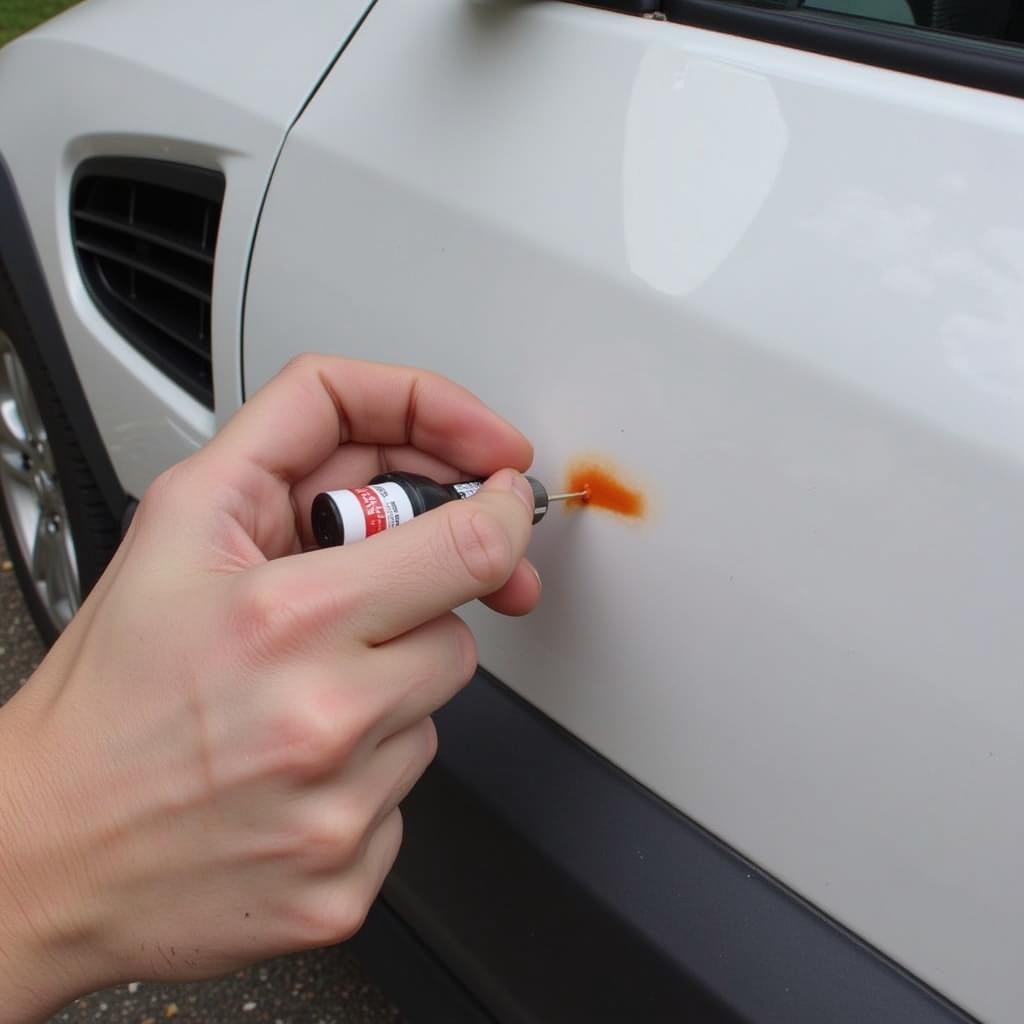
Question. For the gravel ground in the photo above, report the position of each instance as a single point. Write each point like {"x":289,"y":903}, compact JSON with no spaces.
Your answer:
{"x":326,"y":987}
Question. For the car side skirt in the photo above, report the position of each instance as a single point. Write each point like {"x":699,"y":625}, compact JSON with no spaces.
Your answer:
{"x":552,"y":887}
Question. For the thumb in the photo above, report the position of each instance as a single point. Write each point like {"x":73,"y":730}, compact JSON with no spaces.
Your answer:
{"x":397,"y":580}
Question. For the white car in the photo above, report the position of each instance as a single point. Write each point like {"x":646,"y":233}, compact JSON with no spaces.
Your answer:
{"x":759,"y":755}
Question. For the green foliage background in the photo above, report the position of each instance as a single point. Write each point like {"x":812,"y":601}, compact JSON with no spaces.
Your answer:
{"x":17,"y":16}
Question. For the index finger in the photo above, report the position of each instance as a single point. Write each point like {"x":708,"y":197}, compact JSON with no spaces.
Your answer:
{"x":393,"y":582}
{"x":317,"y":402}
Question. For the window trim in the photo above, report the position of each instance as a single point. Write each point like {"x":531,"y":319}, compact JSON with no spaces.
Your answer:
{"x":927,"y":53}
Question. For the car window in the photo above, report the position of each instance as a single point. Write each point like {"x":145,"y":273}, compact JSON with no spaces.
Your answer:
{"x":988,"y":19}
{"x":978,"y":43}
{"x":897,"y":11}
{"x":994,"y":19}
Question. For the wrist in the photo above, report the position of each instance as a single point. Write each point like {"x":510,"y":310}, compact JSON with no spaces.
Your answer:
{"x":45,"y":938}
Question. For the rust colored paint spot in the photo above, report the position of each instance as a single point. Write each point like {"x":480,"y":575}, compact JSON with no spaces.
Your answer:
{"x":604,"y":490}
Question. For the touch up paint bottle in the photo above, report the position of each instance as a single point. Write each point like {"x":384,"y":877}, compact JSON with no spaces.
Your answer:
{"x":344,"y":517}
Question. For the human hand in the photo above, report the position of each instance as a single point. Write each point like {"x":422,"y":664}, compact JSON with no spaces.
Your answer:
{"x":205,"y":771}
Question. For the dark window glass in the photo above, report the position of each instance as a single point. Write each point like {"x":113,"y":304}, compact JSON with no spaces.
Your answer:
{"x":990,"y":19}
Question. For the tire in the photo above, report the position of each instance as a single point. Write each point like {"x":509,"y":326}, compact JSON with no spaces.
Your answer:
{"x":60,"y":532}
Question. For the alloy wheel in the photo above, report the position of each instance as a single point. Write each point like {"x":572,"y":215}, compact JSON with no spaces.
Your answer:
{"x":32,"y":493}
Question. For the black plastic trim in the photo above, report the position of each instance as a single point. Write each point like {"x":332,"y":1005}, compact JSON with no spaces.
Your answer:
{"x":410,"y":973}
{"x":198,"y":181}
{"x":555,"y":888}
{"x":123,"y":225}
{"x":178,"y":345}
{"x":929,"y":53}
{"x":19,"y":256}
{"x":627,"y":6}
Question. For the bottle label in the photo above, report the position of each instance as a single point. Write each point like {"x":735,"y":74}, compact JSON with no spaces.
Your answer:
{"x":365,"y":511}
{"x":467,"y":489}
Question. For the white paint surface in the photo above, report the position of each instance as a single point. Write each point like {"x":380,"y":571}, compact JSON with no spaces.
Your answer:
{"x":213,"y":84}
{"x":784,"y":293}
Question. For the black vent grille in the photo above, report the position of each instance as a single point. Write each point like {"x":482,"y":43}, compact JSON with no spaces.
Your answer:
{"x":145,"y":232}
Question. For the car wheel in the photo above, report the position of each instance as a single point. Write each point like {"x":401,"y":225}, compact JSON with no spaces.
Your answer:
{"x":58,"y":529}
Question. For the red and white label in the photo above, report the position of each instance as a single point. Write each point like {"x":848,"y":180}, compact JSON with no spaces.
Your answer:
{"x":368,"y":510}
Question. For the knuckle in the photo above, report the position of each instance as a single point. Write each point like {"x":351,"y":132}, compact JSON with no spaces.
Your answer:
{"x":262,"y":621}
{"x":349,"y":914}
{"x":302,"y":365}
{"x":276,"y":614}
{"x":420,"y":750}
{"x":344,"y":921}
{"x":327,"y":922}
{"x":481,"y":544}
{"x":429,"y":730}
{"x":335,"y":840}
{"x":307,"y":744}
{"x":161,"y":493}
{"x":157,"y":490}
{"x":391,"y":833}
{"x":466,"y":652}
{"x":305,"y":371}
{"x":323,"y":609}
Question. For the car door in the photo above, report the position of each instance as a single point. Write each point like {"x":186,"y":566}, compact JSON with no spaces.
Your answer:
{"x":763,"y":266}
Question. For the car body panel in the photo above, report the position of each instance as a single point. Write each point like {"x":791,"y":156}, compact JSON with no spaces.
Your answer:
{"x":216,"y":85}
{"x":557,"y":889}
{"x":782,"y":294}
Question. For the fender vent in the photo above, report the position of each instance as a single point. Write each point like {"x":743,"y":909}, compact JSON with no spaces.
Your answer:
{"x":145,"y":233}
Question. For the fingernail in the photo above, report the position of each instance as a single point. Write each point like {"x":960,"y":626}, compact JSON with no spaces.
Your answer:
{"x":510,"y":480}
{"x":540,"y":582}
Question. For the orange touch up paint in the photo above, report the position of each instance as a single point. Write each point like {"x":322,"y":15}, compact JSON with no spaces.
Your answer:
{"x":604,"y":490}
